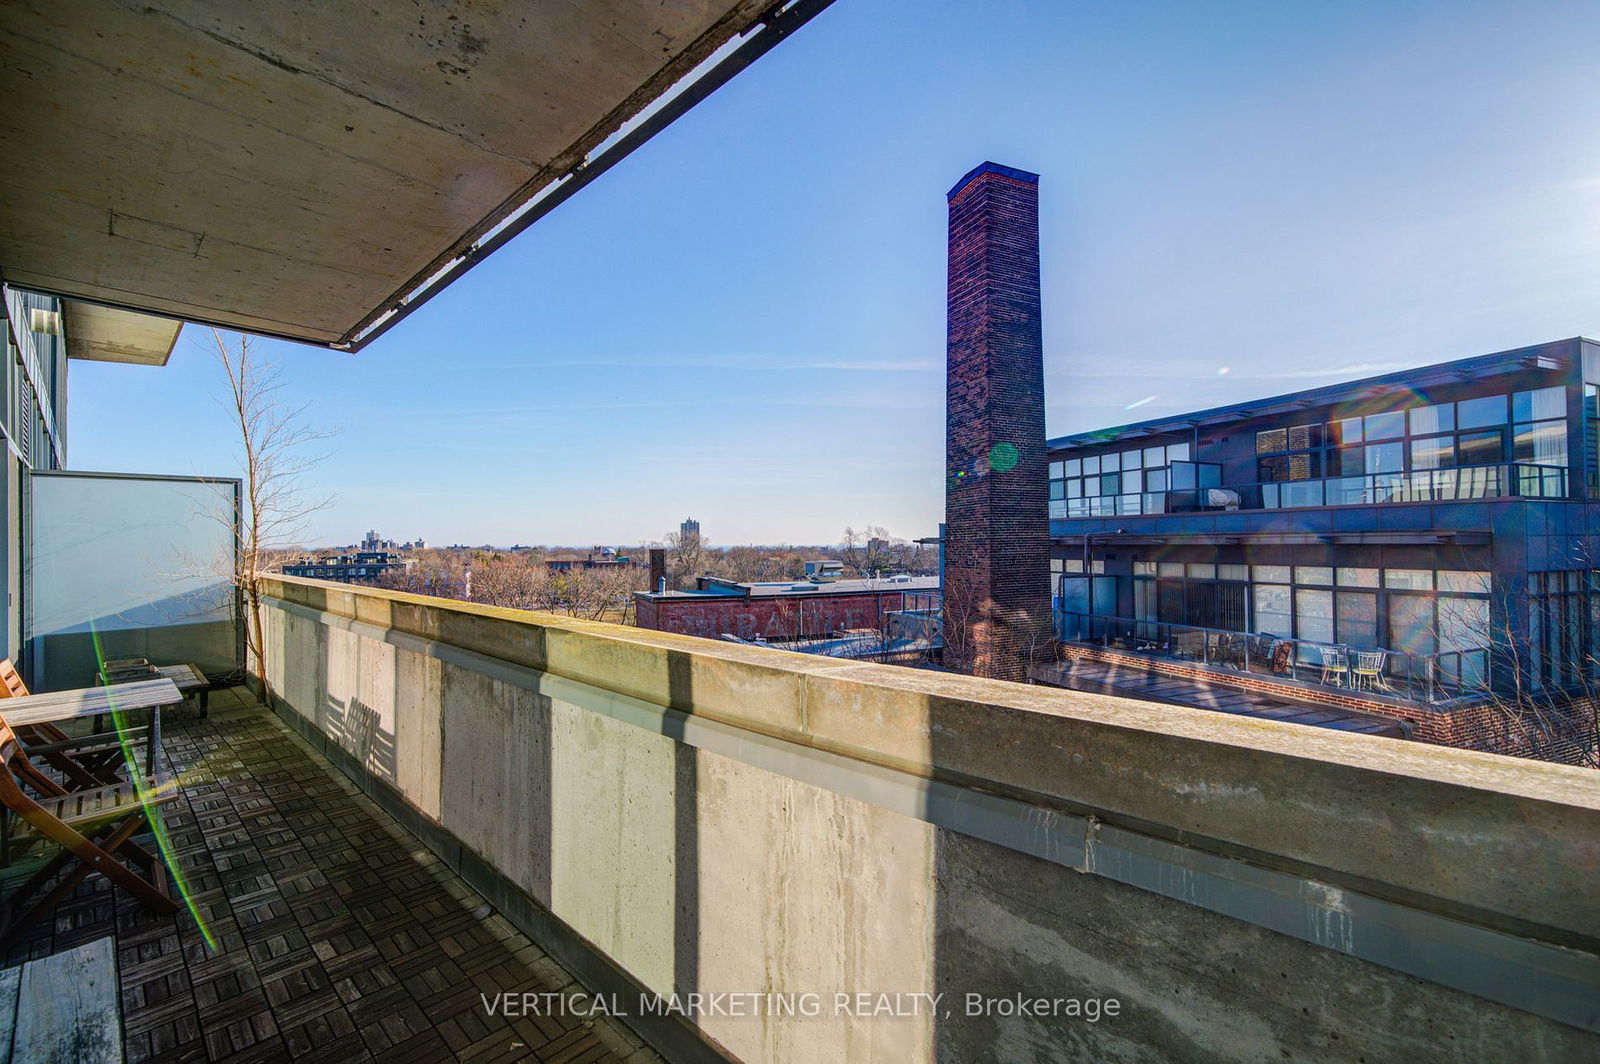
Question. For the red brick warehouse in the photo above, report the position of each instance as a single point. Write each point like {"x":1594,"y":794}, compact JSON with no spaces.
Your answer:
{"x":778,"y":611}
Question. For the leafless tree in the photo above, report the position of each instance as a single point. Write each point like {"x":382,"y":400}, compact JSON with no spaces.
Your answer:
{"x":1036,"y":639}
{"x":1557,"y":716}
{"x":439,"y":572}
{"x":872,"y":549}
{"x":865,"y":551}
{"x":616,"y":587}
{"x":960,"y":610}
{"x":1538,"y":685}
{"x":686,"y":558}
{"x":518,"y":579}
{"x":965,"y":613}
{"x":277,"y":451}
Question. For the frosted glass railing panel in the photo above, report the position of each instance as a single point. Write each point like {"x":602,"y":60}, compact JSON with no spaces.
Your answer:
{"x":129,"y":567}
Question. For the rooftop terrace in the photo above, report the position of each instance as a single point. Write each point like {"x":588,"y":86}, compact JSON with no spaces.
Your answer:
{"x":664,"y":816}
{"x":339,"y":937}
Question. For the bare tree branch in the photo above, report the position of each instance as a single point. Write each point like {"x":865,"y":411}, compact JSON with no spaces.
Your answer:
{"x":275,"y":446}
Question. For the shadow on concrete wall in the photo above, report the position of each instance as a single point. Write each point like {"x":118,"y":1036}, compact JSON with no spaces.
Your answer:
{"x":366,"y":740}
{"x":686,"y":826}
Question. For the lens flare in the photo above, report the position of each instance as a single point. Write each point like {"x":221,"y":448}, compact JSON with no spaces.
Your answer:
{"x":147,"y":797}
{"x":1003,"y":457}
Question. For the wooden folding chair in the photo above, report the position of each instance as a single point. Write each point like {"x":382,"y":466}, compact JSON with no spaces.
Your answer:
{"x":84,"y":761}
{"x":95,"y":827}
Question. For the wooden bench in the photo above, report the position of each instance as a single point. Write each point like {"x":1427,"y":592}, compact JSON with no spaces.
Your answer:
{"x":188,"y":678}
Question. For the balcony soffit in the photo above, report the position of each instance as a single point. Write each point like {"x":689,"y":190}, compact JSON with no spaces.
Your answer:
{"x":294,"y":168}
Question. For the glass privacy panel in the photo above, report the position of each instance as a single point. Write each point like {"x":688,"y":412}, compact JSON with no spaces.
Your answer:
{"x":129,"y":567}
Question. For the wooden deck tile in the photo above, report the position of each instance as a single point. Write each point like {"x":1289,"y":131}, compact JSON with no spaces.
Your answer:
{"x":340,"y":938}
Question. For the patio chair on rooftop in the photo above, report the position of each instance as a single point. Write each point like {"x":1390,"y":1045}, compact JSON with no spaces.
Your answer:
{"x":1335,"y":665}
{"x":94,"y":827}
{"x":1369,"y":669}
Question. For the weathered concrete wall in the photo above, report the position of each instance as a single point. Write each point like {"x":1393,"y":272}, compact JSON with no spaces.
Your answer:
{"x":717,"y":818}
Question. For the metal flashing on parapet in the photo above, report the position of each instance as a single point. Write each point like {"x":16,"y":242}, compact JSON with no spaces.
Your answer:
{"x":1025,"y":176}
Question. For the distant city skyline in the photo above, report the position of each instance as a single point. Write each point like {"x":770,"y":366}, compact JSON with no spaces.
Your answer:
{"x":745,"y":321}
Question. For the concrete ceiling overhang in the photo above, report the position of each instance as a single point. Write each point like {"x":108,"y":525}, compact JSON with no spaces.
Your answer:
{"x":297,"y":168}
{"x":108,"y":334}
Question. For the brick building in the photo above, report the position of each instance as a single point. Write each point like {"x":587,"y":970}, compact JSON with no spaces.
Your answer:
{"x":594,"y":558}
{"x":778,"y":611}
{"x":1421,"y":545}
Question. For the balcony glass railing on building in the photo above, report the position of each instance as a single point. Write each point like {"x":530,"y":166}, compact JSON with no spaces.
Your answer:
{"x":1420,"y":485}
{"x":1426,"y":678}
{"x":1177,"y":487}
{"x":1187,"y":487}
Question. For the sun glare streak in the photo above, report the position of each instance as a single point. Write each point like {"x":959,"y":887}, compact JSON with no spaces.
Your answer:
{"x":147,"y":795}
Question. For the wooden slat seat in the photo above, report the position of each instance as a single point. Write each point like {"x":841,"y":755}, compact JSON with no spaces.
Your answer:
{"x":79,"y":808}
{"x":94,"y":826}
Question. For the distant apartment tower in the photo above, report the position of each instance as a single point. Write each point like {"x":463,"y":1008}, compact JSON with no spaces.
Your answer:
{"x":690,"y":527}
{"x":375,"y":542}
{"x":362,"y":567}
{"x":997,"y":534}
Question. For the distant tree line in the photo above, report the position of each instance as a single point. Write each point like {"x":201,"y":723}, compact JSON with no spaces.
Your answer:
{"x":865,"y":552}
{"x":522,"y":578}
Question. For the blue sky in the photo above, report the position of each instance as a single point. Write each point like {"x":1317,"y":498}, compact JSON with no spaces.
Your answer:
{"x":744,"y":322}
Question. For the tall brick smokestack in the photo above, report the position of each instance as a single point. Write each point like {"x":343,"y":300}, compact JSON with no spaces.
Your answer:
{"x":997,"y":534}
{"x":658,"y":568}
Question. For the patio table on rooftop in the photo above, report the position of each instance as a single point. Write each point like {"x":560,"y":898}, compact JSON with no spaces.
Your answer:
{"x":54,"y":707}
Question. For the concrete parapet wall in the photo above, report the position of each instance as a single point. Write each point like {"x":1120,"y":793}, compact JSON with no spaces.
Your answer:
{"x":709,"y":817}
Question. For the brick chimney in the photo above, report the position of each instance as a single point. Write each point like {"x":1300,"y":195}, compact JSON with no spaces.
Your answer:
{"x":658,"y":568}
{"x":997,"y":535}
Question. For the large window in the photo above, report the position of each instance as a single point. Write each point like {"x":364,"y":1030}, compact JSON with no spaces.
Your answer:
{"x":1435,"y":623}
{"x":1119,"y":482}
{"x":1437,"y":451}
{"x":1563,"y":646}
{"x":1273,"y":615}
{"x":1441,"y":435}
{"x":1591,"y":422}
{"x":1540,"y":432}
{"x":30,"y":416}
{"x":1293,"y":453}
